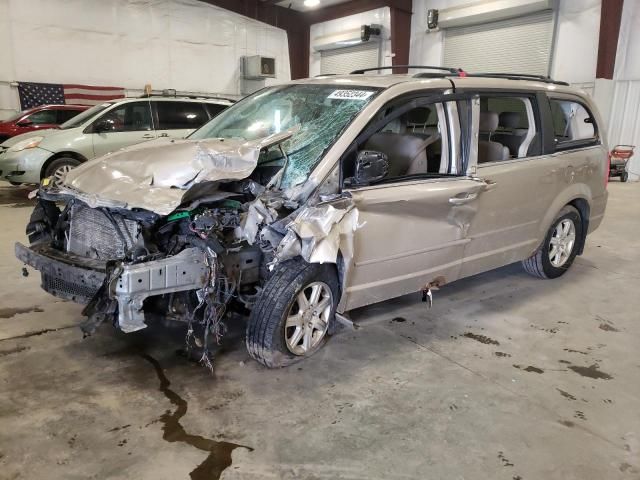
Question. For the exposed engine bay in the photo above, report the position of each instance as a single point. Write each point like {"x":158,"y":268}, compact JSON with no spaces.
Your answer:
{"x":210,"y":255}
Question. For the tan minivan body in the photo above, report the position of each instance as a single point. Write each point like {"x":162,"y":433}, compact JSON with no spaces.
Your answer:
{"x":412,"y":183}
{"x":415,"y":232}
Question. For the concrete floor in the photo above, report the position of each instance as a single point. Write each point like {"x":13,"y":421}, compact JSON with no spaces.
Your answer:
{"x":506,"y":377}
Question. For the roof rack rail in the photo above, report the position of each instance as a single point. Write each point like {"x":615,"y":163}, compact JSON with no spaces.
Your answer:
{"x":453,"y":71}
{"x":186,"y":96}
{"x":518,"y":76}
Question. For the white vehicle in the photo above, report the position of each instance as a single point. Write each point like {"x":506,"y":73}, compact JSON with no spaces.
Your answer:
{"x":102,"y":129}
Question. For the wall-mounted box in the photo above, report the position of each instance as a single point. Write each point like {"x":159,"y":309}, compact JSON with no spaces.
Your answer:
{"x":257,"y":67}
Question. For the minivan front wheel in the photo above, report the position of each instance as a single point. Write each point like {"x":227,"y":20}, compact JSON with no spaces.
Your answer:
{"x":293,"y":314}
{"x":59,"y":168}
{"x":560,"y":246}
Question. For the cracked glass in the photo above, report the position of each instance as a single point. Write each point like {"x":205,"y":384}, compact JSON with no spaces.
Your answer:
{"x":319,"y":112}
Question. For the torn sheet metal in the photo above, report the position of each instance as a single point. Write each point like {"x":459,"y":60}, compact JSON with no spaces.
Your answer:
{"x":257,"y":215}
{"x":319,"y":233}
{"x":427,"y":290}
{"x":155,"y":177}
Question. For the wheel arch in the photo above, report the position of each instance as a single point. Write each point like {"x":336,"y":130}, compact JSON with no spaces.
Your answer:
{"x":582,"y":205}
{"x":55,"y":156}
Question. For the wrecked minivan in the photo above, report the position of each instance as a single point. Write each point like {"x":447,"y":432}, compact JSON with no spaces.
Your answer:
{"x":306,"y":200}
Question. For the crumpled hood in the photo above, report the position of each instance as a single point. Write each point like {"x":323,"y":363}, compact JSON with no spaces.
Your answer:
{"x":156,"y":177}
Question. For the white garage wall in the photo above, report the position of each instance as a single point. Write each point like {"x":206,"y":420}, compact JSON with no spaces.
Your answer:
{"x":575,"y":50}
{"x":380,"y":16}
{"x":182,"y":44}
{"x":624,"y":111}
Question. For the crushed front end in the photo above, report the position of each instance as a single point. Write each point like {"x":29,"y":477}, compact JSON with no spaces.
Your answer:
{"x":128,"y":266}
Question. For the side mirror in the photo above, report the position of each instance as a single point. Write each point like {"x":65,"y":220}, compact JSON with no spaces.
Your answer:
{"x":102,"y":125}
{"x":370,"y":167}
{"x":25,"y":123}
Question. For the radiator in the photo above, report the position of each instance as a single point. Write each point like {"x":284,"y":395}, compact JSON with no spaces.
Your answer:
{"x":93,"y":234}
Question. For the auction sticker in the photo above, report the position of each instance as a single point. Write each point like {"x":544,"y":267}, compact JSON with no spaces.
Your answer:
{"x":350,"y":94}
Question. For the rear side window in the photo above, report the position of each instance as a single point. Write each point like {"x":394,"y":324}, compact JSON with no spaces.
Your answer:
{"x":64,"y":115}
{"x":573,"y":124}
{"x":506,"y":129}
{"x":180,"y":115}
{"x":43,"y":117}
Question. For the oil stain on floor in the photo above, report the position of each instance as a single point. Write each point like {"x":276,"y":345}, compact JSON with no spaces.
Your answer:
{"x":16,"y":196}
{"x":219,"y":457}
{"x":591,"y":372}
{"x":481,"y":338}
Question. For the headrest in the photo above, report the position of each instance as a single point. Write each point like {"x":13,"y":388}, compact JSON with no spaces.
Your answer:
{"x":418,"y":116}
{"x":510,"y":120}
{"x":488,"y":122}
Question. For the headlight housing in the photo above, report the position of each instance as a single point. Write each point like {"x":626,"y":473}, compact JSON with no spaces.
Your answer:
{"x":32,"y":142}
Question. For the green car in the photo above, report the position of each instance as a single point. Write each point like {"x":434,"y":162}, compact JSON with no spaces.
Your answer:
{"x":104,"y":128}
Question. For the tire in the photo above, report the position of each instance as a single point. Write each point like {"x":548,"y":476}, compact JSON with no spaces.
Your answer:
{"x":624,"y":176}
{"x":59,"y":167}
{"x":42,"y":222}
{"x":269,"y":338}
{"x":540,"y":264}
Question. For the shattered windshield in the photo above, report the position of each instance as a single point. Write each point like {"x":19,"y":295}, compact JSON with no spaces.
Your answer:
{"x":320,"y":112}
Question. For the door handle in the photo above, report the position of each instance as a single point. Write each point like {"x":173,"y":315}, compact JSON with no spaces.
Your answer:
{"x":148,"y":135}
{"x":463,"y":198}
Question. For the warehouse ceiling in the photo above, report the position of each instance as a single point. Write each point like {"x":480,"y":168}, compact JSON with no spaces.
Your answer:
{"x":300,"y":4}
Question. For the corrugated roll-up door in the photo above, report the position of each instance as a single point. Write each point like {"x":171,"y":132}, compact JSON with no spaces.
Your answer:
{"x":346,"y":59}
{"x":517,"y":45}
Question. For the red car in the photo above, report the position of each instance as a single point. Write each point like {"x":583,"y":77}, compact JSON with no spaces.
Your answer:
{"x":38,"y":118}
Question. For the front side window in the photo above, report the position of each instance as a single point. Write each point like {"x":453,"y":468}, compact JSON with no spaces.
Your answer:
{"x":43,"y":117}
{"x":81,"y":118}
{"x":180,"y":115}
{"x":572,"y":123}
{"x":320,"y":113}
{"x":130,"y":117}
{"x":411,"y":141}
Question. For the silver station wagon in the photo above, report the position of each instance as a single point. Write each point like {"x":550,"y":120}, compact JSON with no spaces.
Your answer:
{"x":306,"y":200}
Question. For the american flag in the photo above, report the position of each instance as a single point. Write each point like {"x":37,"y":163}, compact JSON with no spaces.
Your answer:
{"x":34,"y":94}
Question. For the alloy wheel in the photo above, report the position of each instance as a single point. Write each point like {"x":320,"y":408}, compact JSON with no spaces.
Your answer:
{"x":562,"y":242}
{"x":60,"y":173}
{"x":308,"y":318}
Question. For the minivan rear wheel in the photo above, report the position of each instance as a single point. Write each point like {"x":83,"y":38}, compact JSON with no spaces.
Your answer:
{"x":59,"y":168}
{"x":560,"y":246}
{"x":293,"y":314}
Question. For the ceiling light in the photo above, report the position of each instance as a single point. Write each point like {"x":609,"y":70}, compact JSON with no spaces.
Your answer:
{"x":311,"y":3}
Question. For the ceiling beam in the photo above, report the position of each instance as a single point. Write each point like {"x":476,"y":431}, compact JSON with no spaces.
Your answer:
{"x":353,"y":7}
{"x":400,"y":38}
{"x":610,"y":16}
